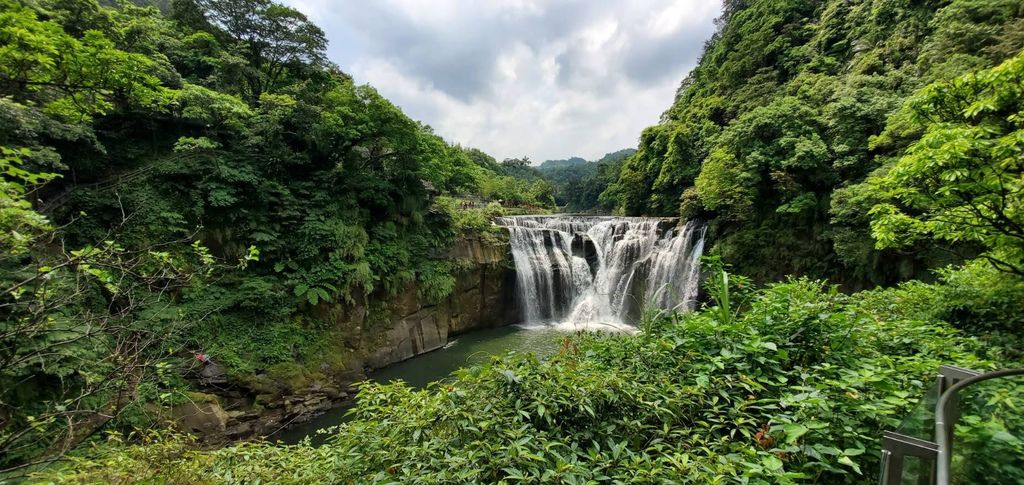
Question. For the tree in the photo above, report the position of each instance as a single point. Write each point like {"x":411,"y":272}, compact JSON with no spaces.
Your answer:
{"x":73,"y":78}
{"x":482,"y":159}
{"x":963,"y":181}
{"x":273,"y":39}
{"x":516,"y":162}
{"x":83,"y":330}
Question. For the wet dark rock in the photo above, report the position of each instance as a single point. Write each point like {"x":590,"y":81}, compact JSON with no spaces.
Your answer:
{"x":213,"y":374}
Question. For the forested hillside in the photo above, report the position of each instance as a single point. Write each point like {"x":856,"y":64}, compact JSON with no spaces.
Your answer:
{"x":203,"y":179}
{"x":556,"y":164}
{"x":792,"y":106}
{"x":513,"y":181}
{"x":197,"y":181}
{"x":578,"y":184}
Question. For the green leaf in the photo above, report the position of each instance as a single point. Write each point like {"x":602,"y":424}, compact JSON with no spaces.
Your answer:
{"x":845,"y":460}
{"x":772,"y":462}
{"x":793,"y":432}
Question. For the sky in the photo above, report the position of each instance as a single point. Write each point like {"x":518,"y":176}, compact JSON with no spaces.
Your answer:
{"x":544,"y":79}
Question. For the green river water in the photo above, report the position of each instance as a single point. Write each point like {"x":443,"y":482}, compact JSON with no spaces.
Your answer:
{"x":465,"y":350}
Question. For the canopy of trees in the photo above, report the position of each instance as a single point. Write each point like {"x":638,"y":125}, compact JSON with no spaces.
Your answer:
{"x":793,"y":104}
{"x":182,"y":147}
{"x":578,"y":184}
{"x":199,"y":178}
{"x":963,"y":181}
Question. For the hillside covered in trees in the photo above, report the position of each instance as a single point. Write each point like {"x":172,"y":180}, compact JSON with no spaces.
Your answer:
{"x":578,"y":184}
{"x":203,"y":177}
{"x":793,"y":106}
{"x":197,"y":180}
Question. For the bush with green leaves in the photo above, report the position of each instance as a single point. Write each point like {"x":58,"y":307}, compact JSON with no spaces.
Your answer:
{"x":792,"y":383}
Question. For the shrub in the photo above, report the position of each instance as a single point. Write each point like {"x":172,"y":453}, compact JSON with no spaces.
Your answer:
{"x":796,"y":386}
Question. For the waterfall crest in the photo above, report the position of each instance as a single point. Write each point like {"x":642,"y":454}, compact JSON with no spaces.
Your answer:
{"x":585,"y":272}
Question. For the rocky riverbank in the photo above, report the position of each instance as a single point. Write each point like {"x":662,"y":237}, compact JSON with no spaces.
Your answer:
{"x":378,"y":331}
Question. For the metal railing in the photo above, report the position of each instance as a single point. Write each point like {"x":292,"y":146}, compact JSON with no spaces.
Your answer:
{"x":927,"y":457}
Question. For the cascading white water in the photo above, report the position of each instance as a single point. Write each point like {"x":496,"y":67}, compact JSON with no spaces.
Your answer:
{"x":601,"y":272}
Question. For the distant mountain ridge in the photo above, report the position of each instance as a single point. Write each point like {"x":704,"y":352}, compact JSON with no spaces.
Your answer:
{"x":569,"y":162}
{"x":616,"y":156}
{"x":578,"y":183}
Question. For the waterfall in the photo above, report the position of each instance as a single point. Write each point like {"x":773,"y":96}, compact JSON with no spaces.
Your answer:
{"x":601,"y":272}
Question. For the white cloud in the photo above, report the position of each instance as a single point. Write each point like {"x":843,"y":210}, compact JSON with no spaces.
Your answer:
{"x":545,"y":79}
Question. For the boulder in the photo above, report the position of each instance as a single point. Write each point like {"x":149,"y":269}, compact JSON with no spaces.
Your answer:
{"x":201,"y":418}
{"x":239,"y":431}
{"x":212,"y":373}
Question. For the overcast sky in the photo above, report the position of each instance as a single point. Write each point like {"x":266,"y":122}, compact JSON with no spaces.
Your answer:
{"x":545,"y":79}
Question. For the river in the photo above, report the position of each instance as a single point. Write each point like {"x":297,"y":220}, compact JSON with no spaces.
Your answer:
{"x":471,"y":348}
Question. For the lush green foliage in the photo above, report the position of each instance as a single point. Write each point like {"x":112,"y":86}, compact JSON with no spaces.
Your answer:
{"x":963,"y":181}
{"x":215,"y":185}
{"x":790,"y":383}
{"x":578,"y":184}
{"x":105,"y":305}
{"x":469,"y":221}
{"x":792,"y":105}
{"x":515,"y":191}
{"x":511,"y":183}
{"x":217,"y":121}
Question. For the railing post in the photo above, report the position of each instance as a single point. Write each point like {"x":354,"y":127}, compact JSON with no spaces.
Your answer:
{"x":951,"y":374}
{"x":946,"y":416}
{"x":896,"y":447}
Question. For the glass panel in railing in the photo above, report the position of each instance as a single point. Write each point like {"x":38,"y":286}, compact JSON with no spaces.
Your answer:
{"x":917,"y":471}
{"x":988,"y":441}
{"x":920,"y":423}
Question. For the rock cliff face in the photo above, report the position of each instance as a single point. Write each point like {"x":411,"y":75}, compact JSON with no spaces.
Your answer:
{"x":379,"y":331}
{"x":482,"y":299}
